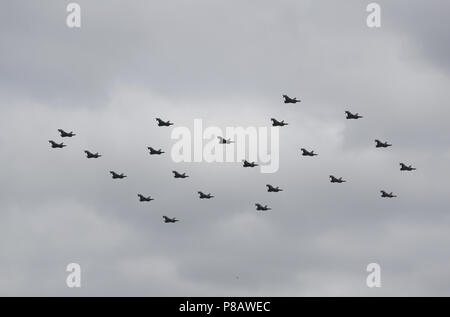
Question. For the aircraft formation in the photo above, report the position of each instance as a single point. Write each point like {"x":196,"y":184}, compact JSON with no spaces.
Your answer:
{"x":246,"y":164}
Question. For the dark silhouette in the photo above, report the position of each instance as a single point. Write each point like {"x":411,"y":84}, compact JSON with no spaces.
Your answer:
{"x":65,"y":134}
{"x":117,"y":176}
{"x":276,"y":123}
{"x":90,"y":155}
{"x":336,"y":180}
{"x":224,"y":141}
{"x":57,"y":145}
{"x":288,"y":99}
{"x":145,"y":199}
{"x":162,"y":123}
{"x":179,"y":175}
{"x":387,"y":195}
{"x":272,"y":189}
{"x":352,"y":116}
{"x":260,"y":207}
{"x":249,"y":164}
{"x":155,"y":152}
{"x":378,"y":144}
{"x":204,"y":196}
{"x":404,"y":167}
{"x":308,"y":153}
{"x":170,"y":220}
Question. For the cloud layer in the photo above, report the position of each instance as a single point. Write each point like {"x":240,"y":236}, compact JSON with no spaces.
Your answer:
{"x":227,"y":63}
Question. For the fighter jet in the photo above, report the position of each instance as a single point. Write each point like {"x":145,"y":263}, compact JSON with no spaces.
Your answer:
{"x":249,"y":164}
{"x":276,"y":123}
{"x":145,"y":199}
{"x":260,"y":207}
{"x":353,"y":116}
{"x":117,"y":176}
{"x":336,"y":180}
{"x":204,"y":196}
{"x":65,"y":134}
{"x":162,"y":123}
{"x":308,"y":153}
{"x":404,"y":167}
{"x":90,"y":155}
{"x":170,"y":220}
{"x":224,"y":141}
{"x":178,"y":175}
{"x":155,"y":152}
{"x":387,"y":195}
{"x":287,"y":99}
{"x":378,"y":143}
{"x":272,"y":189}
{"x":57,"y":145}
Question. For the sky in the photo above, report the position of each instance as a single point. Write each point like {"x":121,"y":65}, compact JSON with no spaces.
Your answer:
{"x":227,"y":63}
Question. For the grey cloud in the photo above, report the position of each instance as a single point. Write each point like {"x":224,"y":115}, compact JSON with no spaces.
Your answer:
{"x":227,"y":63}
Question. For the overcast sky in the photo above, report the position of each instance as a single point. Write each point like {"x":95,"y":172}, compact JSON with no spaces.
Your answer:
{"x":227,"y":63}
